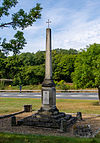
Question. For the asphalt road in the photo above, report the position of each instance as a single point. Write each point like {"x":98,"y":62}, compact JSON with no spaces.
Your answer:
{"x":65,"y":95}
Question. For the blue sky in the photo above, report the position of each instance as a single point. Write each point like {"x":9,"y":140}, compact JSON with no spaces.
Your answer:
{"x":75,"y":24}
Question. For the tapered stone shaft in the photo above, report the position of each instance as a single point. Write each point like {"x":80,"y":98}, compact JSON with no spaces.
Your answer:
{"x":48,"y":63}
{"x":48,"y":86}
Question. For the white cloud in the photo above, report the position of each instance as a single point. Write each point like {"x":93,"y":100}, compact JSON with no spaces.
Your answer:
{"x":78,"y":36}
{"x":71,"y":28}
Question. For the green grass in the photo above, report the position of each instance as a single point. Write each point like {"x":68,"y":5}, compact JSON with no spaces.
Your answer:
{"x":77,"y":105}
{"x":10,"y":105}
{"x":35,"y":87}
{"x":27,"y":87}
{"x":17,"y":138}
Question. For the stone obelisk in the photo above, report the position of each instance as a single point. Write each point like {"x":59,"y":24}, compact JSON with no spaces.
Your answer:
{"x":48,"y":86}
{"x":48,"y":115}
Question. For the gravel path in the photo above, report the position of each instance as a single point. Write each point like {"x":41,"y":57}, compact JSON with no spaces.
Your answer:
{"x":5,"y":126}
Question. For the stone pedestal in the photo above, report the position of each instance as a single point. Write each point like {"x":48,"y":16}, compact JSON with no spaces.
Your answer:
{"x":48,"y":98}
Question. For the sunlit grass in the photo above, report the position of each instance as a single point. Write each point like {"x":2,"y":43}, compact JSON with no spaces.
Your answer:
{"x":10,"y":105}
{"x":17,"y":138}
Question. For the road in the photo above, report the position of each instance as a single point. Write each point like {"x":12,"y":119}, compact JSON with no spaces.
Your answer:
{"x":65,"y":95}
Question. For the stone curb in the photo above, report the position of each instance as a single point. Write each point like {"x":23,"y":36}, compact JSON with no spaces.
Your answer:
{"x":10,"y":115}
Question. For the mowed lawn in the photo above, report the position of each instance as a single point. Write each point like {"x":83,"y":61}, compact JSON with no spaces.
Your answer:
{"x":17,"y":138}
{"x":10,"y":105}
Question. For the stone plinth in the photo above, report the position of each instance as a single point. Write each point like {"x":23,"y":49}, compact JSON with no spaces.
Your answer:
{"x":57,"y":120}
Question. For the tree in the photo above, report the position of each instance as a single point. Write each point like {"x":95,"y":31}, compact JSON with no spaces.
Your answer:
{"x":87,"y":67}
{"x":21,"y":19}
{"x":64,"y":68}
{"x":29,"y":75}
{"x":39,"y":57}
{"x":12,"y":66}
{"x":27,"y":59}
{"x":2,"y":55}
{"x":15,"y":45}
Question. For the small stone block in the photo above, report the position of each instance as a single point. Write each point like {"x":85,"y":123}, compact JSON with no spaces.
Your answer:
{"x":28,"y":108}
{"x":63,"y":127}
{"x":79,"y":116}
{"x":13,"y":121}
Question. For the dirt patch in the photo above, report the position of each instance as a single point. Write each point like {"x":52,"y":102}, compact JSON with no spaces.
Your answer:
{"x":5,"y":126}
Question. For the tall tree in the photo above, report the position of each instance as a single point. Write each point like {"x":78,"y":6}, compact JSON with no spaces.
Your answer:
{"x":87,"y":67}
{"x":21,"y":19}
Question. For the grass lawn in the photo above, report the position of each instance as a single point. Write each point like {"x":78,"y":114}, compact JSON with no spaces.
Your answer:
{"x":17,"y":138}
{"x":10,"y":105}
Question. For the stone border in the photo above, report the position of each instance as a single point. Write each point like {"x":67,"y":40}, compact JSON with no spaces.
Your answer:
{"x":9,"y":115}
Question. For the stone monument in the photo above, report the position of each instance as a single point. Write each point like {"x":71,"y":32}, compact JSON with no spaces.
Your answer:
{"x":48,"y":115}
{"x":48,"y":86}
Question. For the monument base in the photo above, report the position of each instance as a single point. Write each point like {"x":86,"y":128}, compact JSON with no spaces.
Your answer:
{"x":49,"y":116}
{"x":49,"y":119}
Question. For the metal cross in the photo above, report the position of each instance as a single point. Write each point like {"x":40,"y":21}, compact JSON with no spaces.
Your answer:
{"x":48,"y":22}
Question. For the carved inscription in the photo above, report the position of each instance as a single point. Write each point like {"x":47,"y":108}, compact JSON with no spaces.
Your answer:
{"x":45,"y":97}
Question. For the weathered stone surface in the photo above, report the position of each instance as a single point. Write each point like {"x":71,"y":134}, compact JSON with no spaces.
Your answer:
{"x":48,"y":87}
{"x":48,"y":63}
{"x":83,"y":131}
{"x":51,"y":99}
{"x":27,"y":108}
{"x":13,"y":121}
{"x":60,"y":121}
{"x":79,"y":116}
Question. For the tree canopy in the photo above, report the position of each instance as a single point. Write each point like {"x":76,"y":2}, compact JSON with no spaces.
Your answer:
{"x":29,"y":68}
{"x":87,"y":67}
{"x":20,"y":19}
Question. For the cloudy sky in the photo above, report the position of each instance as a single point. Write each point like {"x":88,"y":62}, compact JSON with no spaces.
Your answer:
{"x":75,"y":24}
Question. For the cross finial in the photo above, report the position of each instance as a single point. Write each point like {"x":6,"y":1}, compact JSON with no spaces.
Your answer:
{"x":48,"y":22}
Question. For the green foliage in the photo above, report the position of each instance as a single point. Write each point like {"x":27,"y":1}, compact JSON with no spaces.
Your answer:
{"x":39,"y":58}
{"x":2,"y":55}
{"x":6,"y":5}
{"x":64,"y":67}
{"x":2,"y":85}
{"x":64,"y":51}
{"x":19,"y":138}
{"x":62,"y":85}
{"x":29,"y":75}
{"x":29,"y":68}
{"x":2,"y":68}
{"x":12,"y":67}
{"x":15,"y":45}
{"x":87,"y":67}
{"x":21,"y":19}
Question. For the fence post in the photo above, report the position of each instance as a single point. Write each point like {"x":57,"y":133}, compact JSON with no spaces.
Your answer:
{"x":99,"y":94}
